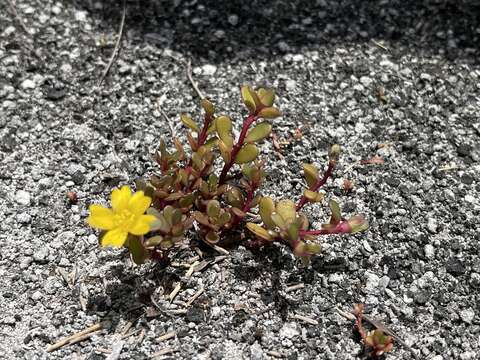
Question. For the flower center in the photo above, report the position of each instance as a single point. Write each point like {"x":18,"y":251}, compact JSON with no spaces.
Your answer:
{"x":124,"y":219}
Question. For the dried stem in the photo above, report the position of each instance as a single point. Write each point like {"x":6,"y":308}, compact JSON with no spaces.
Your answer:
{"x":117,"y":45}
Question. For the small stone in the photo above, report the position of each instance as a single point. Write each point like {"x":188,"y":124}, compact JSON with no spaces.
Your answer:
{"x":256,"y":352}
{"x":24,"y":218}
{"x":209,"y":70}
{"x":44,"y":183}
{"x":195,"y":315}
{"x":233,"y":20}
{"x":81,"y":15}
{"x":289,"y":331}
{"x":56,"y":10}
{"x":78,"y":178}
{"x":421,"y":297}
{"x":9,"y":320}
{"x":429,"y":251}
{"x":464,"y":150}
{"x":41,"y":256}
{"x":335,"y":278}
{"x":432,"y":225}
{"x":466,"y":179}
{"x":290,"y":84}
{"x":383,"y":282}
{"x":470,"y":199}
{"x":371,"y":283}
{"x":283,"y":46}
{"x":25,"y":262}
{"x":467,"y":315}
{"x":437,"y":357}
{"x":22,"y":197}
{"x":37,"y":295}
{"x":455,"y":267}
{"x":366,"y":81}
{"x":28,"y":84}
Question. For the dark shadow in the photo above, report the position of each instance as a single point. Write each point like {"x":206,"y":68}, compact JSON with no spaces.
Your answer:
{"x":235,"y":29}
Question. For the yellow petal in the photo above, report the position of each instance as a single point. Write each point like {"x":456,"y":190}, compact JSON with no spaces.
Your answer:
{"x":142,"y":225}
{"x":100,"y":217}
{"x":115,"y":238}
{"x":139,"y":203}
{"x":120,"y":198}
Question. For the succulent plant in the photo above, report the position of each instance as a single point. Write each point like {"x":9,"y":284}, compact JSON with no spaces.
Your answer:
{"x":187,"y":190}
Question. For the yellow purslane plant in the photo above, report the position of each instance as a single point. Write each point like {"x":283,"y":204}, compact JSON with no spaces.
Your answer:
{"x":127,"y":216}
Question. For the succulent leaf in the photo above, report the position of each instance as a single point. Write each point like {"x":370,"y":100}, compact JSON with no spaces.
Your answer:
{"x":188,"y":122}
{"x":259,"y":132}
{"x":247,"y":153}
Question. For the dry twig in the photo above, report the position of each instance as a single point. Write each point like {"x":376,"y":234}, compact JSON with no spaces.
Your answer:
{"x":117,"y":45}
{"x":167,"y":336}
{"x":17,"y":17}
{"x":75,"y":338}
{"x":195,"y":297}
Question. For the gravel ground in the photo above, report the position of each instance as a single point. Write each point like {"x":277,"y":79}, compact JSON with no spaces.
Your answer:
{"x":417,"y":268}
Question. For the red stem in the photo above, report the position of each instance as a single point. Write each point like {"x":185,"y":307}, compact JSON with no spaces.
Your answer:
{"x":202,"y":137}
{"x":318,"y":184}
{"x":341,"y":228}
{"x":236,"y":148}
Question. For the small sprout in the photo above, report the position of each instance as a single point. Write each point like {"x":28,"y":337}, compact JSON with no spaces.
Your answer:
{"x":72,"y":197}
{"x":334,"y":153}
{"x":348,"y":185}
{"x":379,"y":342}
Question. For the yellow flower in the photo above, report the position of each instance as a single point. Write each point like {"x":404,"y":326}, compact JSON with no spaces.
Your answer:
{"x":126,"y":216}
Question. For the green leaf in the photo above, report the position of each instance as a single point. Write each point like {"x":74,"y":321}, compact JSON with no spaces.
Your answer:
{"x":259,"y":132}
{"x":269,"y":113}
{"x":188,"y":122}
{"x":293,"y":231}
{"x":154,"y":241}
{"x":266,"y":208}
{"x":357,"y":224}
{"x":138,"y":252}
{"x":225,"y":151}
{"x":313,"y":248}
{"x":207,"y":106}
{"x":278,"y":221}
{"x":168,"y":214}
{"x":247,"y":153}
{"x":286,"y":209}
{"x":223,"y":125}
{"x":160,"y":224}
{"x":212,"y":237}
{"x":259,"y":231}
{"x":224,"y":218}
{"x":248,"y":98}
{"x":311,"y":174}
{"x":213,"y":208}
{"x":313,"y":196}
{"x":211,"y":143}
{"x":267,"y":96}
{"x":336,"y":212}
